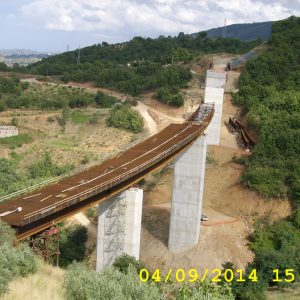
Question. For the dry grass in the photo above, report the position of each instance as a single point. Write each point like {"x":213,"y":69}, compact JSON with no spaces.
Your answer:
{"x":79,"y":141}
{"x":46,"y":284}
{"x":291,"y":294}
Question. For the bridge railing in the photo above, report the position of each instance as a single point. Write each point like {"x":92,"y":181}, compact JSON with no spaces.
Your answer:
{"x":58,"y":178}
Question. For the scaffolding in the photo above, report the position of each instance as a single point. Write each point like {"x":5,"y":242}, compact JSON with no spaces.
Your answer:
{"x":46,"y":244}
{"x":114,"y":225}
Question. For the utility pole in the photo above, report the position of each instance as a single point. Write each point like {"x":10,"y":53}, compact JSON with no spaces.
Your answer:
{"x":224,"y":29}
{"x":68,"y":48}
{"x":78,"y":56}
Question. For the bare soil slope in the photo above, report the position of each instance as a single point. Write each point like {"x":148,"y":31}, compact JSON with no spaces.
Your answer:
{"x":231,"y":208}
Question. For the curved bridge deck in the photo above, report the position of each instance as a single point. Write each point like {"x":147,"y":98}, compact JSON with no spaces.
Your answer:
{"x":49,"y":205}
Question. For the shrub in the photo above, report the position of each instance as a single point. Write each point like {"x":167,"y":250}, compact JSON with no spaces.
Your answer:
{"x":7,"y":234}
{"x":123,"y":262}
{"x":46,"y":168}
{"x":2,"y":106}
{"x":205,"y":290}
{"x":65,"y":77}
{"x":85,"y":160}
{"x":8,"y":177}
{"x":167,"y":96}
{"x":72,"y":244}
{"x":177,"y":100}
{"x":13,"y":261}
{"x":91,"y":212}
{"x":94,"y":118}
{"x":14,"y":121}
{"x":50,"y":119}
{"x":79,"y":102}
{"x":104,"y":100}
{"x":296,"y":219}
{"x":41,"y":78}
{"x":24,"y":85}
{"x":63,"y":119}
{"x":124,"y":117}
{"x":82,"y":284}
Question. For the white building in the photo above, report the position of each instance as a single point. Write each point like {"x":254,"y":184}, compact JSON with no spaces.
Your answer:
{"x":6,"y":131}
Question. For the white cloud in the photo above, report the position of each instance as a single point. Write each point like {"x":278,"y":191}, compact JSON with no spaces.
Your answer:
{"x":145,"y":17}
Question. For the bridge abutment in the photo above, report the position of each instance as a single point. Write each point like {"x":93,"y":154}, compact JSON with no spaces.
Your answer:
{"x":188,"y":185}
{"x":119,"y":227}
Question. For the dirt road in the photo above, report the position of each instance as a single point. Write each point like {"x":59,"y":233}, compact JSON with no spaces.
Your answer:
{"x":91,"y":229}
{"x":143,"y":110}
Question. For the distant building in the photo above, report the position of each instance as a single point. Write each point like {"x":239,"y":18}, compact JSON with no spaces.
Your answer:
{"x":6,"y":131}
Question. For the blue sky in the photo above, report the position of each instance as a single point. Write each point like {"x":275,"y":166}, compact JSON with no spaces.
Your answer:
{"x":49,"y":25}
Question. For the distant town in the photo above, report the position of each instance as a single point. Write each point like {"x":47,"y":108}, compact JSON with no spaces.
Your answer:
{"x":22,"y":57}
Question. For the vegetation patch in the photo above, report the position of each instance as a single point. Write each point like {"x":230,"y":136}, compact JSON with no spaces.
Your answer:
{"x":270,"y":92}
{"x":16,"y":95}
{"x":122,"y":281}
{"x":139,"y":65}
{"x":123,"y":117}
{"x":12,"y":181}
{"x":14,"y":261}
{"x":105,"y":101}
{"x":16,"y":141}
{"x":170,"y":96}
{"x":72,"y":244}
{"x":79,"y":118}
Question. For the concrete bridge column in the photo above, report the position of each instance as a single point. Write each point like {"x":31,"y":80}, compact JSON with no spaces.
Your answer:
{"x":119,"y":227}
{"x":214,"y":93}
{"x":188,"y":184}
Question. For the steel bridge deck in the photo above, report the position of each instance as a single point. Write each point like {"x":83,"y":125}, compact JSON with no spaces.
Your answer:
{"x":51,"y":204}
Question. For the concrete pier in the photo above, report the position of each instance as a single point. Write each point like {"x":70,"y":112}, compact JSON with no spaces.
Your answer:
{"x":188,"y":185}
{"x":214,"y":93}
{"x":119,"y":227}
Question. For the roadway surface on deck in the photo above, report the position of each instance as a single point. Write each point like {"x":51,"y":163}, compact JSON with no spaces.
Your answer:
{"x":51,"y":204}
{"x":82,"y":183}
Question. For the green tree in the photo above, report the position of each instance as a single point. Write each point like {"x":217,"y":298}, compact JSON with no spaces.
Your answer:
{"x":14,"y":261}
{"x":122,"y":116}
{"x":104,"y":100}
{"x":63,"y":119}
{"x":72,"y":244}
{"x":3,"y":66}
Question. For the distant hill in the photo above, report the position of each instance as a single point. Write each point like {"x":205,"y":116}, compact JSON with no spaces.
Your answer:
{"x":246,"y":32}
{"x":22,"y":53}
{"x":23,"y":57}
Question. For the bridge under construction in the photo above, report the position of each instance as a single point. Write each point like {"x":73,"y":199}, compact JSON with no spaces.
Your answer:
{"x":119,"y":213}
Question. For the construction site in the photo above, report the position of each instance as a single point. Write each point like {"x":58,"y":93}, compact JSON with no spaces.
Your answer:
{"x":144,"y":195}
{"x":39,"y":210}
